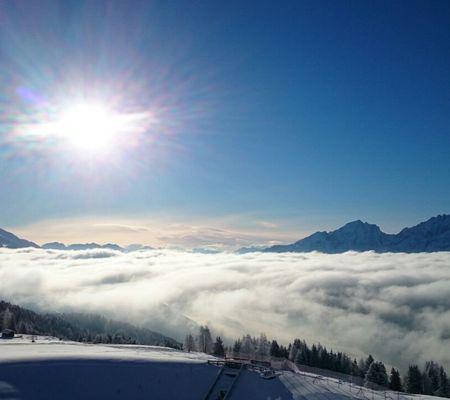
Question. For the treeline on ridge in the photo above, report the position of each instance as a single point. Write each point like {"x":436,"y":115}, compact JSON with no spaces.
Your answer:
{"x":78,"y":327}
{"x":432,"y":380}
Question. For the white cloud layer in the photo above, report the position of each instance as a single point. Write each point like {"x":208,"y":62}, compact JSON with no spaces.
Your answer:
{"x":395,"y":306}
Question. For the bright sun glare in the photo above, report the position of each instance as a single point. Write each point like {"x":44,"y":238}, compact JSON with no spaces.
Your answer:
{"x":91,"y":127}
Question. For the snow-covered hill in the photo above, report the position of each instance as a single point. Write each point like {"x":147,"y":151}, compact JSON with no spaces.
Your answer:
{"x":429,"y":236}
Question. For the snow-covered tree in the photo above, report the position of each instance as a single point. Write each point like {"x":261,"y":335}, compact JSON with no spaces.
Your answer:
{"x":248,"y":346}
{"x":204,"y":340}
{"x":294,"y":349}
{"x":189,"y":343}
{"x":262,"y":346}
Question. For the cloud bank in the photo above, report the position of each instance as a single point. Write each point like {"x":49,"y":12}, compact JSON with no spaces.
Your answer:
{"x":394,"y":306}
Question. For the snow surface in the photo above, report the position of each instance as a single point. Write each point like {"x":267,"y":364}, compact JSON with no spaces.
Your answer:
{"x":307,"y":386}
{"x":51,"y":369}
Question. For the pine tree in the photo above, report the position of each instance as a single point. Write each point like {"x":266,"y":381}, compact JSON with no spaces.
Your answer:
{"x":7,"y":320}
{"x":237,"y":347}
{"x":395,"y":382}
{"x":274,"y":349}
{"x":218,"y":349}
{"x":189,"y":343}
{"x":444,"y":384}
{"x":294,"y":348}
{"x":376,"y":374}
{"x":431,"y":378}
{"x":262,"y":346}
{"x":205,"y":343}
{"x":284,"y":352}
{"x":362,"y":368}
{"x":355,"y":371}
{"x":314,"y":360}
{"x":369,"y":360}
{"x":413,"y":379}
{"x":248,"y":346}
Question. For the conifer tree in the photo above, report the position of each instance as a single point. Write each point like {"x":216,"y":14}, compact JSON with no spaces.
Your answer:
{"x":262,"y":346}
{"x":218,"y":349}
{"x":204,"y":340}
{"x":237,"y":347}
{"x":369,"y":360}
{"x":376,"y":374}
{"x":189,"y":343}
{"x":395,"y":382}
{"x":431,"y":378}
{"x":444,"y":384}
{"x":248,"y":346}
{"x":355,"y":368}
{"x":275,"y":349}
{"x":413,"y":380}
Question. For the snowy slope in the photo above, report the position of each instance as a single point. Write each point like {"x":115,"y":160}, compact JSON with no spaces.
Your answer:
{"x":307,"y":386}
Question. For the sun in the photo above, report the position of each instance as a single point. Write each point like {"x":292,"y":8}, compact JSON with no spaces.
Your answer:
{"x":99,"y":129}
{"x":89,"y":126}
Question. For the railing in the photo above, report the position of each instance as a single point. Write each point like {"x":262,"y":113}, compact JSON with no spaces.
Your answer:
{"x":230,"y":365}
{"x":211,"y":388}
{"x":233,"y":384}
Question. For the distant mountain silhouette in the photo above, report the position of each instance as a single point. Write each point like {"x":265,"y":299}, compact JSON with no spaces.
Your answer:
{"x":81,"y":246}
{"x":11,"y":241}
{"x":429,"y":236}
{"x":90,"y":246}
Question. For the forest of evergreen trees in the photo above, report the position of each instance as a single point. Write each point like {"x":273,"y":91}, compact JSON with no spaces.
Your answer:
{"x":90,"y":328}
{"x":431,"y":380}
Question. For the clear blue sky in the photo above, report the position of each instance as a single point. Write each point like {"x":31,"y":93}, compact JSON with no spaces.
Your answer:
{"x":299,"y":114}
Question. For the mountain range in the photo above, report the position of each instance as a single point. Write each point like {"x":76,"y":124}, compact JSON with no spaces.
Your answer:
{"x":89,"y":246}
{"x":11,"y":241}
{"x":429,"y":236}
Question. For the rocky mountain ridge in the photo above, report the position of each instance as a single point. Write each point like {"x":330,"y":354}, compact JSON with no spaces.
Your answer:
{"x":429,"y":236}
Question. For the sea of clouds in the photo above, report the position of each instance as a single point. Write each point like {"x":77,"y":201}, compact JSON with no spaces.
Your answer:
{"x":394,"y":306}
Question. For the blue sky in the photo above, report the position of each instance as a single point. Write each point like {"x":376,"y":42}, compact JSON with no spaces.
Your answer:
{"x":274,"y":120}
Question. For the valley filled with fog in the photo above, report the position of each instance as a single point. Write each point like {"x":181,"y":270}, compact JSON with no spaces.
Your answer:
{"x":394,"y":306}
